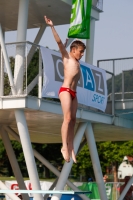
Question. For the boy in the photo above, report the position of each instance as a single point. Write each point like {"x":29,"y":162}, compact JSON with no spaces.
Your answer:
{"x":67,"y":92}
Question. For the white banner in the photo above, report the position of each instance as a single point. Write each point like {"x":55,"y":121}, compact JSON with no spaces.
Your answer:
{"x":13,"y":185}
{"x":91,"y":89}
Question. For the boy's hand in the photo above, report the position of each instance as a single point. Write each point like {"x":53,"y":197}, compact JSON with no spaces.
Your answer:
{"x":48,"y":21}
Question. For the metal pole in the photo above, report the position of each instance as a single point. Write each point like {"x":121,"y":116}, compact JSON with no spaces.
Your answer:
{"x":67,"y":166}
{"x":126,"y":189}
{"x":45,"y":162}
{"x":113,"y":89}
{"x":95,"y":161}
{"x":7,"y":62}
{"x":51,"y":188}
{"x":40,"y":76}
{"x":11,"y":196}
{"x":2,"y":70}
{"x":123,"y":85}
{"x":32,"y":84}
{"x":36,"y":41}
{"x":28,"y":152}
{"x":90,"y":43}
{"x":13,"y":161}
{"x":97,"y":63}
{"x":20,"y":48}
{"x":1,"y":73}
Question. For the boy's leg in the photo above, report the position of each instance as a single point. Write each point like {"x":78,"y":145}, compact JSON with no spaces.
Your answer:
{"x":66,"y":103}
{"x":71,"y":133}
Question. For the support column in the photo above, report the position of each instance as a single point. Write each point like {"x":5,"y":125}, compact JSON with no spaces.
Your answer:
{"x":20,"y":48}
{"x":45,"y":162}
{"x":1,"y":73}
{"x":90,"y":43}
{"x":2,"y":70}
{"x":40,"y":76}
{"x":67,"y":166}
{"x":13,"y":162}
{"x":28,"y":152}
{"x":95,"y":161}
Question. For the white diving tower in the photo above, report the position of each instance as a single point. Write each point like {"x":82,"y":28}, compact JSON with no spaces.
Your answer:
{"x":27,"y":118}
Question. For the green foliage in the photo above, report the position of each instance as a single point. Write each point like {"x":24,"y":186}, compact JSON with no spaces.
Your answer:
{"x":110,"y":154}
{"x":50,"y":151}
{"x":32,"y":72}
{"x":7,"y":88}
{"x":84,"y":164}
{"x":3,"y":159}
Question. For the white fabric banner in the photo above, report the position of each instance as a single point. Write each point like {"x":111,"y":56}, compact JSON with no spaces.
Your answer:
{"x":13,"y":185}
{"x":91,"y":89}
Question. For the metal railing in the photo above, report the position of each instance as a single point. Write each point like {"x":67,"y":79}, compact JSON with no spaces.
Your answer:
{"x":32,"y":70}
{"x":122,"y":68}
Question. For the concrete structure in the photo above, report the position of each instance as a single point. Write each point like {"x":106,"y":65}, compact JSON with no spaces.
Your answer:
{"x":17,"y":107}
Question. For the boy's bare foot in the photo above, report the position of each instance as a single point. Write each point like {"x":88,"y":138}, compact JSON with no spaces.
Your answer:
{"x":74,"y":156}
{"x":65,"y":154}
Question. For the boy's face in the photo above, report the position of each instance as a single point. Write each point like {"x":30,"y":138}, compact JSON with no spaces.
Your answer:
{"x":78,"y":52}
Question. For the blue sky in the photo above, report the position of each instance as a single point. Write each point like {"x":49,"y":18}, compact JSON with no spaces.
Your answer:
{"x":113,"y":32}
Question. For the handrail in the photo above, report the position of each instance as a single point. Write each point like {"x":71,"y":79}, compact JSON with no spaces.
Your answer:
{"x":44,"y":191}
{"x":111,"y":59}
{"x":120,"y":93}
{"x":9,"y":43}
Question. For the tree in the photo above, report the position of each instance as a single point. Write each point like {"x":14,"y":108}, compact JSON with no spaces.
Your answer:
{"x":110,"y":154}
{"x":32,"y":72}
{"x":83,"y":165}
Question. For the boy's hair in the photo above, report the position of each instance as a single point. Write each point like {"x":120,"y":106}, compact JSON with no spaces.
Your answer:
{"x":76,"y":44}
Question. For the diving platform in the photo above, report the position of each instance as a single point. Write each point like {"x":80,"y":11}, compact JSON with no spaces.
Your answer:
{"x":41,"y":113}
{"x":33,"y":119}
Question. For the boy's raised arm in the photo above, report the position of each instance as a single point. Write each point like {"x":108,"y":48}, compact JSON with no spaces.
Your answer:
{"x":57,"y":38}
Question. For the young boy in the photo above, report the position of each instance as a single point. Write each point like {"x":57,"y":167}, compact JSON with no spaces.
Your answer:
{"x":67,"y":92}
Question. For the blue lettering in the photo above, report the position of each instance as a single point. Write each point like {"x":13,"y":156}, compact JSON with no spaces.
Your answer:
{"x":93,"y":97}
{"x":98,"y":99}
{"x":88,"y":79}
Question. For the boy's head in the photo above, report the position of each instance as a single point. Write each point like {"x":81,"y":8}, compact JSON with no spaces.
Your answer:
{"x":77,"y":49}
{"x":76,"y":44}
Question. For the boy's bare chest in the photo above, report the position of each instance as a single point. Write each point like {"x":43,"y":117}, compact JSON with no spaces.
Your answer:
{"x":72,"y":65}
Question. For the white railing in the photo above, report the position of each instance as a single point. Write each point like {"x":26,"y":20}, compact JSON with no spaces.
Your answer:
{"x":122,"y":68}
{"x":7,"y":65}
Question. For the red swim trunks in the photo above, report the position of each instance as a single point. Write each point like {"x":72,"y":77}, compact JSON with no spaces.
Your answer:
{"x":72,"y":93}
